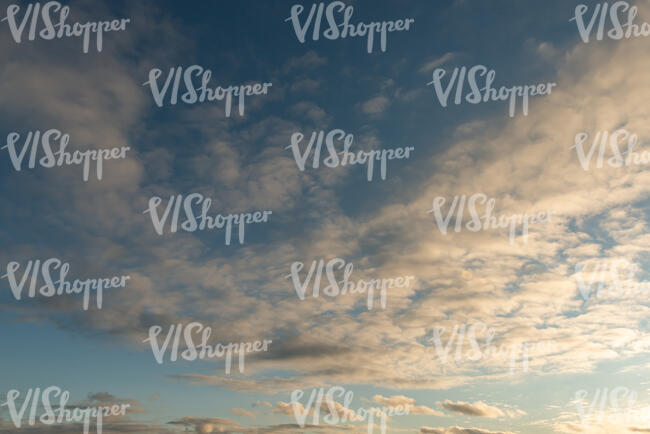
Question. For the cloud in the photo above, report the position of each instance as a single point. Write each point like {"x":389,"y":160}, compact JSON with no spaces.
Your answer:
{"x":401,"y":400}
{"x":429,"y":66}
{"x":525,"y":291}
{"x":347,"y":413}
{"x":307,"y":428}
{"x":306,"y":85}
{"x":459,"y":430}
{"x":221,"y":425}
{"x":273,"y":385}
{"x":311,"y":112}
{"x":476,"y":409}
{"x":74,"y":428}
{"x":423,"y":409}
{"x":375,"y":106}
{"x":208,"y":424}
{"x":309,"y":60}
{"x":244,"y":413}
{"x":393,"y":401}
{"x":289,"y":409}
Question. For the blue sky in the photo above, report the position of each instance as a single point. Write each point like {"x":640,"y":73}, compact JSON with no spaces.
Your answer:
{"x":527,"y":292}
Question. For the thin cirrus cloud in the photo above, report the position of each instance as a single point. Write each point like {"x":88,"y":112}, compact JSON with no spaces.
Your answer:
{"x":435,"y":63}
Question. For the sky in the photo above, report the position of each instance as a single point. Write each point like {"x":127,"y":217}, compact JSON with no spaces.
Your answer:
{"x":526,"y":291}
